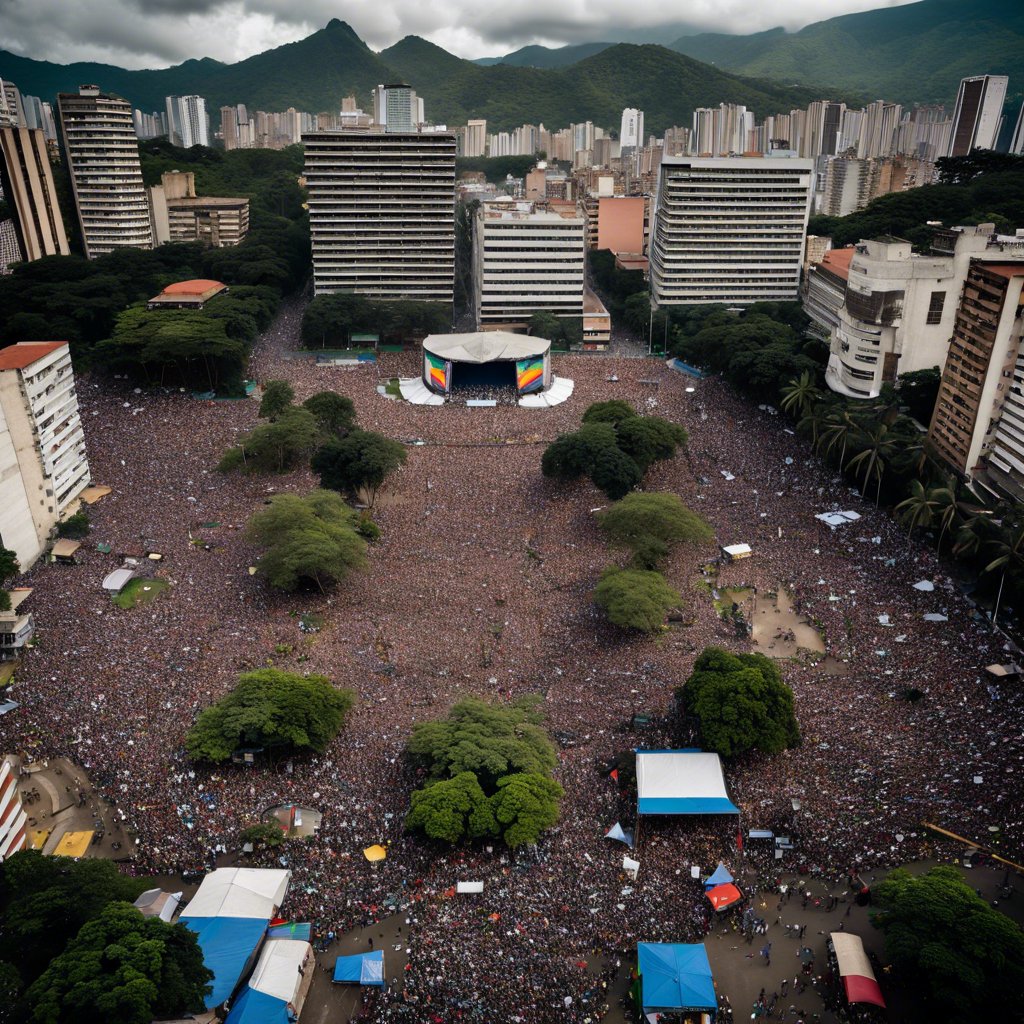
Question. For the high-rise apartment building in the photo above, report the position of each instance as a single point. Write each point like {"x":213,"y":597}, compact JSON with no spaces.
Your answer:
{"x":631,"y":139}
{"x":150,"y":126}
{"x":978,"y":114}
{"x":1017,"y":139}
{"x":28,"y":187}
{"x":179,"y":215}
{"x":12,"y":110}
{"x":43,"y":467}
{"x":729,"y":230}
{"x":382,"y":213}
{"x":527,"y":257}
{"x":476,"y":138}
{"x":106,"y":176}
{"x":187,"y":123}
{"x":878,"y":129}
{"x":397,"y":107}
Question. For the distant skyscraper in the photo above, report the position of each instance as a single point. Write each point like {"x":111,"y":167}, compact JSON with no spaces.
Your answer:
{"x":631,"y":137}
{"x":382,"y":213}
{"x":978,"y":114}
{"x":397,"y":108}
{"x":878,"y":130}
{"x":476,"y":138}
{"x":12,"y":111}
{"x":29,"y":190}
{"x":187,"y":123}
{"x":1017,"y":142}
{"x":106,"y":175}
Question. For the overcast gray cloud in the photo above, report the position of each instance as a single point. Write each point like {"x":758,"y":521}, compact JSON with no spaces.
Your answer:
{"x":156,"y":33}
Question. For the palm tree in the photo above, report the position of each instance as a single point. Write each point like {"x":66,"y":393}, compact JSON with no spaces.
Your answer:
{"x":917,"y":509}
{"x":840,"y":428}
{"x":946,"y":508}
{"x":812,"y":422}
{"x":877,"y":450}
{"x":1010,"y":559}
{"x":800,"y":394}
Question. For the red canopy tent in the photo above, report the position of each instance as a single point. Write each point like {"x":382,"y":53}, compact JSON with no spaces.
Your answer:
{"x":859,"y":981}
{"x":724,"y":896}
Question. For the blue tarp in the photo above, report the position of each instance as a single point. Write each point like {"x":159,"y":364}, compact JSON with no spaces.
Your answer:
{"x":255,"y":1007}
{"x":293,"y":930}
{"x":361,"y":969}
{"x":228,"y":944}
{"x":686,"y":805}
{"x":720,"y":877}
{"x":675,"y":977}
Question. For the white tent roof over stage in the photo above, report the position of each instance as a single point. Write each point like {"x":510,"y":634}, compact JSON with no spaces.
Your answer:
{"x":485,"y":346}
{"x":681,"y":782}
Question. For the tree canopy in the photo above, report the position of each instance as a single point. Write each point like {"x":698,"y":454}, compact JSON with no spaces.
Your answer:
{"x":637,"y":599}
{"x":488,"y":768}
{"x":273,"y":710}
{"x":123,"y":967}
{"x":314,"y":539}
{"x":330,"y":320}
{"x":648,"y":523}
{"x":360,"y":461}
{"x":9,"y":568}
{"x":953,"y":952}
{"x":278,"y":395}
{"x":276,"y":446}
{"x":334,"y":414}
{"x":741,"y":703}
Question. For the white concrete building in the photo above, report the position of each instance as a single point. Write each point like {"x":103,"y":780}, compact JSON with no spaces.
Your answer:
{"x":899,"y":308}
{"x":106,"y":176}
{"x":43,"y":466}
{"x":729,"y":230}
{"x":382,"y":213}
{"x":978,"y":114}
{"x":187,"y":121}
{"x":527,"y":257}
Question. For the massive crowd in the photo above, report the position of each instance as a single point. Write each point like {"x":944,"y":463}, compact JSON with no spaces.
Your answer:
{"x":481,"y":585}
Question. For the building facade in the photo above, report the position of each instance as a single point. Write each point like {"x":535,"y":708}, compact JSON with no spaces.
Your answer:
{"x":13,"y":820}
{"x":28,"y":187}
{"x":978,"y":114}
{"x":382,"y":213}
{"x":179,"y":215}
{"x":106,"y":176}
{"x":729,"y":230}
{"x":187,"y":122}
{"x":43,"y":465}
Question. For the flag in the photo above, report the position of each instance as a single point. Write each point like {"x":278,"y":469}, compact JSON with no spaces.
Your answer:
{"x":615,"y":774}
{"x":739,"y":841}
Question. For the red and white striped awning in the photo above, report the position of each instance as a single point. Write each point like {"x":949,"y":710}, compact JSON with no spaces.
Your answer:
{"x":859,"y":980}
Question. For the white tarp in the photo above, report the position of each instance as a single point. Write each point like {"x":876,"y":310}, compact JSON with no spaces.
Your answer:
{"x":926,"y":586}
{"x":157,"y":903}
{"x":485,"y":346}
{"x":935,"y":617}
{"x":630,"y":866}
{"x":737,"y":550}
{"x":469,"y":886}
{"x":116,"y":581}
{"x":277,"y":972}
{"x":240,"y":892}
{"x":837,"y":518}
{"x":681,"y":782}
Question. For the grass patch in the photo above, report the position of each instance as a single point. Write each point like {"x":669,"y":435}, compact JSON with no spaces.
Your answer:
{"x":7,"y":673}
{"x":391,"y":388}
{"x":140,"y":591}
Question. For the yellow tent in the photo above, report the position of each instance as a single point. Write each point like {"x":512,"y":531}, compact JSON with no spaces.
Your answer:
{"x":375,"y":853}
{"x":73,"y":844}
{"x":37,"y":839}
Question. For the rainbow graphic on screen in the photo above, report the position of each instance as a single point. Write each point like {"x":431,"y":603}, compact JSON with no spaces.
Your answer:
{"x":530,"y":374}
{"x":437,"y":372}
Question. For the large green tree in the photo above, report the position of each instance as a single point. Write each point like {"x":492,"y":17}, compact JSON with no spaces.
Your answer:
{"x":123,"y":967}
{"x":276,"y":446}
{"x":335,"y":414}
{"x":954,"y":953}
{"x":44,"y":900}
{"x":9,"y":568}
{"x":740,"y":703}
{"x":359,"y":462}
{"x":637,"y":599}
{"x":648,"y":523}
{"x":277,"y":711}
{"x":452,"y":810}
{"x":314,"y":539}
{"x":524,"y":806}
{"x":278,"y":395}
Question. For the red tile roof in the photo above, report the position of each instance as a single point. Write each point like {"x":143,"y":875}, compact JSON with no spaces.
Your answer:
{"x":197,"y":287}
{"x":25,"y":353}
{"x":838,"y":261}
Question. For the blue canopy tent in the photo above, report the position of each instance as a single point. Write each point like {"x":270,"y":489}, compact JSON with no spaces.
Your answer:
{"x":228,"y":945}
{"x":254,"y":1007}
{"x":361,"y":969}
{"x":721,"y":876}
{"x":674,"y":976}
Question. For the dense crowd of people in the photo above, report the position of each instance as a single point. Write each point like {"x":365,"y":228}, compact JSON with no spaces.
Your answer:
{"x":481,"y":584}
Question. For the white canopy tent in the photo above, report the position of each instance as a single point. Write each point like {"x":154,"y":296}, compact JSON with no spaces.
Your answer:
{"x":240,"y":892}
{"x":681,"y":782}
{"x":485,"y":346}
{"x":469,"y":887}
{"x":277,"y":972}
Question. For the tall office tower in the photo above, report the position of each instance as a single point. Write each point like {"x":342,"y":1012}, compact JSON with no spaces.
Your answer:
{"x":849,"y":184}
{"x":878,"y":133}
{"x":703,"y":135}
{"x":396,"y":107}
{"x":582,"y":136}
{"x":187,"y":123}
{"x":631,"y":138}
{"x":40,"y":115}
{"x":729,"y":230}
{"x":527,"y":257}
{"x":476,"y":138}
{"x":831,"y":126}
{"x":106,"y":177}
{"x":229,"y":127}
{"x":1017,"y":142}
{"x":12,"y":110}
{"x":29,"y":190}
{"x":382,"y":213}
{"x":978,"y":114}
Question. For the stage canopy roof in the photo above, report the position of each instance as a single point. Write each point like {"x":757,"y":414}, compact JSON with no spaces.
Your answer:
{"x":361,"y":969}
{"x":675,"y":977}
{"x":274,"y":984}
{"x":240,"y":892}
{"x":227,"y":943}
{"x":485,"y":346}
{"x":681,"y":782}
{"x":859,"y":980}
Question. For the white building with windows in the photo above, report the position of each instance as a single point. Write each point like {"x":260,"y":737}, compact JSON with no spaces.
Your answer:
{"x":43,"y":465}
{"x":102,"y":152}
{"x":187,"y":121}
{"x":382,"y":213}
{"x":729,"y":229}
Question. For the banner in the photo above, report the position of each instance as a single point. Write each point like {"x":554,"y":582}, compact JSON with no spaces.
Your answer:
{"x":437,"y":372}
{"x":530,"y":374}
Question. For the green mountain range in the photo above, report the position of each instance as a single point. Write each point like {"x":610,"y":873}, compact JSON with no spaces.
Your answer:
{"x":916,"y":53}
{"x":545,"y":56}
{"x":314,"y":74}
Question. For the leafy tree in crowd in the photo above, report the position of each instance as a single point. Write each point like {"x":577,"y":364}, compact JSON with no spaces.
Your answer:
{"x":275,"y":447}
{"x":360,"y":461}
{"x":952,"y":951}
{"x":637,"y":599}
{"x":647,"y":523}
{"x":524,"y":806}
{"x":740,"y":703}
{"x":278,"y":395}
{"x":125,"y":967}
{"x":264,"y":835}
{"x":277,"y":711}
{"x":311,"y":540}
{"x":335,"y":414}
{"x":452,"y":810}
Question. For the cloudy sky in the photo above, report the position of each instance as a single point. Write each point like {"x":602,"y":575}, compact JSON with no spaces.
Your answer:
{"x":156,"y":33}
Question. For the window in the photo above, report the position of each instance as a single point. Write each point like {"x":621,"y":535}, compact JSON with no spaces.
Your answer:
{"x":938,"y":300}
